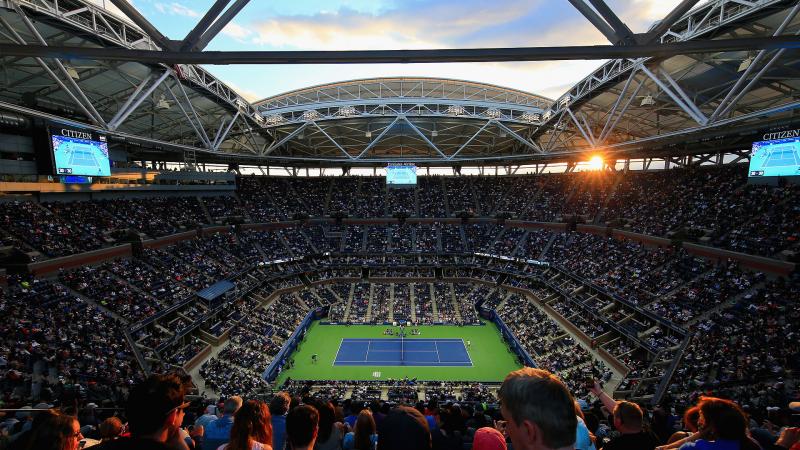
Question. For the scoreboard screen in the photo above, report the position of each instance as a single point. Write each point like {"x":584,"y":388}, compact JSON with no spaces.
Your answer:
{"x":400,"y":175}
{"x":778,"y":158}
{"x":79,"y":152}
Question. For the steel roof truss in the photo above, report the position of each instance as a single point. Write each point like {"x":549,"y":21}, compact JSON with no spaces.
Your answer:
{"x":276,"y":144}
{"x":52,"y":75}
{"x":220,"y":137}
{"x":200,"y":134}
{"x":422,"y":135}
{"x":515,"y":135}
{"x":685,"y":97}
{"x":607,"y":131}
{"x":675,"y":97}
{"x":332,"y":140}
{"x":84,"y":100}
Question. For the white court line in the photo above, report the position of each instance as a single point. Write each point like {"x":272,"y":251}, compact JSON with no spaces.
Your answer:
{"x":337,"y":352}
{"x":366,"y":357}
{"x":436,"y":346}
{"x":467,"y":350}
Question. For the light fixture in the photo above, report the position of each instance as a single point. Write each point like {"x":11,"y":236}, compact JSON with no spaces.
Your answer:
{"x":745,"y":63}
{"x":434,"y":133}
{"x":162,"y":103}
{"x":368,"y":134}
{"x":647,"y":100}
{"x":493,"y":113}
{"x":72,"y":72}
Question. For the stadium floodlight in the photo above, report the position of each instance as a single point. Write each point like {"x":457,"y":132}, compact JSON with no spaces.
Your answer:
{"x":275,"y":119}
{"x":162,"y":103}
{"x":72,"y":72}
{"x":528,"y":117}
{"x":368,"y":134}
{"x":347,"y":111}
{"x":564,"y":101}
{"x":745,"y":63}
{"x":493,"y":113}
{"x":647,"y":100}
{"x":311,"y":114}
{"x":456,"y":110}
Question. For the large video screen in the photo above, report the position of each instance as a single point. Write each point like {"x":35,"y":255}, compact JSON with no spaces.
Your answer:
{"x":779,"y":158}
{"x":79,"y":152}
{"x":401,"y":175}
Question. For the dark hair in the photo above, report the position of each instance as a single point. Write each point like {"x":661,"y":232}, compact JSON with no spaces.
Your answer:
{"x":252,"y":422}
{"x":55,"y":432}
{"x":151,"y":401}
{"x":538,"y":396}
{"x":301,"y":422}
{"x":404,"y":428}
{"x":726,"y":420}
{"x":279,"y":405}
{"x":630,"y":414}
{"x":327,"y":417}
{"x":363,"y":431}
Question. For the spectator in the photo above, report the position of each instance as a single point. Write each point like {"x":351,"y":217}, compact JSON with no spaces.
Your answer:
{"x":302,"y":427}
{"x":209,"y":416}
{"x":56,"y":432}
{"x":330,"y":431}
{"x":628,"y":420}
{"x":539,"y":410}
{"x":363,"y":436}
{"x":219,"y":431}
{"x":252,"y":428}
{"x":155,"y":412}
{"x":487,"y":438}
{"x":278,"y":408}
{"x":110,"y":429}
{"x":404,"y":428}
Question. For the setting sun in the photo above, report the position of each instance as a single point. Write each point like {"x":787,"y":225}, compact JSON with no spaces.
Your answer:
{"x":596,"y":163}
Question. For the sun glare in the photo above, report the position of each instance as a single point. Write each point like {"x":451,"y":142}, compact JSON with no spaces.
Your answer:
{"x":596,"y":163}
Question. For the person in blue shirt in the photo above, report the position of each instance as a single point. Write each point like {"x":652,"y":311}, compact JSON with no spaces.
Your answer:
{"x":279,"y":408}
{"x":364,"y":435}
{"x":218,"y":432}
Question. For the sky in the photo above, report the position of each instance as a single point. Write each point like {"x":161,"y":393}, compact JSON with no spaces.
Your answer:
{"x":400,"y":24}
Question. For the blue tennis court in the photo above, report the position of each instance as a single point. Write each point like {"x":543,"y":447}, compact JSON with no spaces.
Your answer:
{"x":402,"y":352}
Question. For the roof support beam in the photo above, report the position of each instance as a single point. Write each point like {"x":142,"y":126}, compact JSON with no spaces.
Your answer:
{"x":200,"y":135}
{"x":675,"y":97}
{"x":625,"y":35}
{"x":269,"y":149}
{"x":221,"y":136}
{"x":378,"y":138}
{"x":404,"y":56}
{"x":655,"y":34}
{"x":193,"y":36}
{"x":76,"y":89}
{"x":137,"y":18}
{"x":217,"y":26}
{"x":464,"y":145}
{"x":126,"y":111}
{"x":53,"y":76}
{"x":607,"y":131}
{"x":422,"y":135}
{"x":723,"y":106}
{"x":595,"y":20}
{"x":332,"y":140}
{"x":688,"y":101}
{"x":585,"y":133}
{"x":515,"y":135}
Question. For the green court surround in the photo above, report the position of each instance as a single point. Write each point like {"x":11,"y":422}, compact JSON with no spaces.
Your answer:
{"x":491,"y":358}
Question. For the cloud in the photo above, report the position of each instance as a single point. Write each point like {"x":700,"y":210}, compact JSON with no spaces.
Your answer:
{"x":237,"y":31}
{"x":176,"y":9}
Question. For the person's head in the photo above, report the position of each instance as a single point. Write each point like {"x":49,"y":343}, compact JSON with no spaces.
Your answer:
{"x":279,"y":405}
{"x":327,"y":417}
{"x":488,"y":438}
{"x":110,"y":428}
{"x":252,"y":423}
{"x":364,"y":429}
{"x":539,"y":410}
{"x":628,"y":417}
{"x":156,"y":407}
{"x":302,"y":426}
{"x":232,"y":404}
{"x":404,"y":428}
{"x":56,"y":432}
{"x":690,"y":418}
{"x":722,"y":419}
